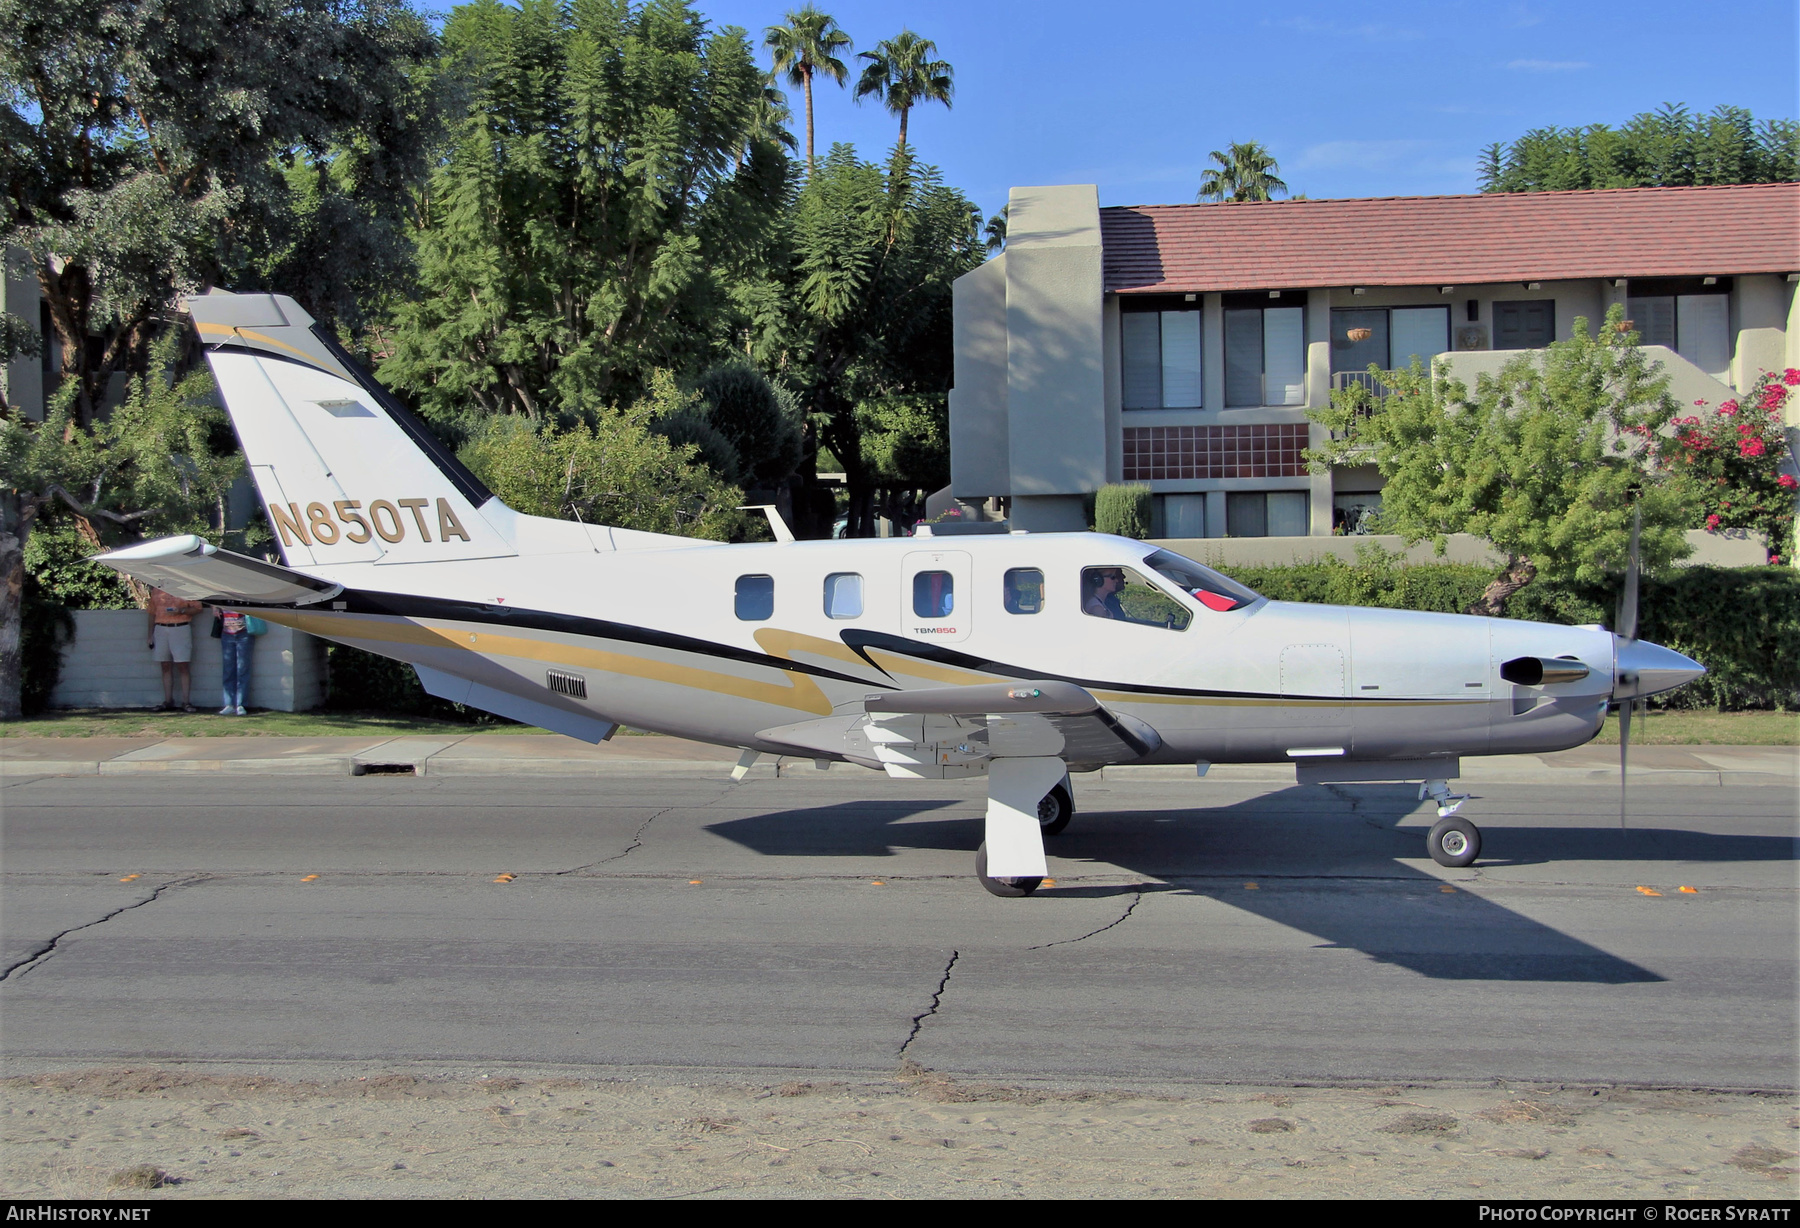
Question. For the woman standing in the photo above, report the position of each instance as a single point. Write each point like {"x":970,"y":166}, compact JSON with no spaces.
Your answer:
{"x":235,"y":641}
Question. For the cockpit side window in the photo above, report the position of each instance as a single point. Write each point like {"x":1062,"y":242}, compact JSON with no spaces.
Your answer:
{"x":1209,"y":588}
{"x":1122,"y":595}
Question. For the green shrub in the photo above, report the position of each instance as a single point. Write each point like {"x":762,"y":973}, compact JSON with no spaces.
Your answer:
{"x":364,"y":682}
{"x":1124,"y":510}
{"x":46,"y":629}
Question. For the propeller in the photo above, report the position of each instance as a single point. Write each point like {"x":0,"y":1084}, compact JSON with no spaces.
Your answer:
{"x":1625,"y":627}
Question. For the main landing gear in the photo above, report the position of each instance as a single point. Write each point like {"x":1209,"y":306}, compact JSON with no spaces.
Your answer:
{"x":1027,"y":800}
{"x":1453,"y":842}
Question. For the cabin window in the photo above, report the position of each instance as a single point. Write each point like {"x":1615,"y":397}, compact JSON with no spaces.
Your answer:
{"x":843,"y":595}
{"x":934,"y":594}
{"x":755,"y":598}
{"x":1122,"y":595}
{"x":1024,"y":591}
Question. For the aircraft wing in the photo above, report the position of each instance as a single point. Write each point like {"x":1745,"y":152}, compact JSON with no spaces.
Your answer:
{"x":946,"y":732}
{"x":191,"y":567}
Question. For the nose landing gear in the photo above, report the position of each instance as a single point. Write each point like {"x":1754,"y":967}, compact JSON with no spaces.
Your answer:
{"x":1454,"y":842}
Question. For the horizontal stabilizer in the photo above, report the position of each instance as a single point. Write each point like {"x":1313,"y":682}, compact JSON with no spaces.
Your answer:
{"x":193,"y":568}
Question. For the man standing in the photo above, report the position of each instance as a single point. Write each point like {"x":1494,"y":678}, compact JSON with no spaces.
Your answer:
{"x":172,"y":641}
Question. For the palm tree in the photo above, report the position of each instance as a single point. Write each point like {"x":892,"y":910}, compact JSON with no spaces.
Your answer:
{"x":803,"y":47}
{"x":1245,"y":172}
{"x":903,"y":75}
{"x":996,"y":229}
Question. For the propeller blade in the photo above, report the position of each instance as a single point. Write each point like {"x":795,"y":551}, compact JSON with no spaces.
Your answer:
{"x":1626,"y":623}
{"x":1624,"y":754}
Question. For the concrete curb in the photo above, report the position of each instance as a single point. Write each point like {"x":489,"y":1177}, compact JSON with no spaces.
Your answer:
{"x":460,"y":757}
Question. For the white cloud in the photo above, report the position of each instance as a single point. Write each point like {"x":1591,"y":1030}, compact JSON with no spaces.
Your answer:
{"x":1362,"y":155}
{"x":1369,"y":31}
{"x":1548,"y":65}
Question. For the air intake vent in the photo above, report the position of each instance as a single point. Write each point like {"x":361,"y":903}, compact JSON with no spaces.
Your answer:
{"x":572,"y":685}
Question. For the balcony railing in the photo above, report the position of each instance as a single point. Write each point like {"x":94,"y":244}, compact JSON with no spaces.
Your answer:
{"x":1341,"y":380}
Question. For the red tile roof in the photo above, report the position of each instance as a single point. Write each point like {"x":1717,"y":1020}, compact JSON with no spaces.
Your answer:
{"x":1453,"y":240}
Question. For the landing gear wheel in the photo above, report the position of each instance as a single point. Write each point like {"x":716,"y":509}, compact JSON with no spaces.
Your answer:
{"x":1009,"y":887}
{"x":1454,"y":842}
{"x":1057,"y":808}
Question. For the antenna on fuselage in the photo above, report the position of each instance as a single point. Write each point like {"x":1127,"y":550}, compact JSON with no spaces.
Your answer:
{"x":777,"y":525}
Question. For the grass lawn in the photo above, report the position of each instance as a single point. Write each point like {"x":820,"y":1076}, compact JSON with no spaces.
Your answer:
{"x":94,"y":723}
{"x":1661,"y":728}
{"x":1702,"y":727}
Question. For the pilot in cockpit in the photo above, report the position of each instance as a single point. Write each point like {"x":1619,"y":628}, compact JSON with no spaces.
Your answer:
{"x":1100,"y":588}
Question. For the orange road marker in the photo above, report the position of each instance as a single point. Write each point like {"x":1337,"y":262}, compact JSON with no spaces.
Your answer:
{"x":876,"y":882}
{"x":1447,"y":889}
{"x":1048,"y":882}
{"x":1649,"y":891}
{"x":506,"y":878}
{"x":1251,"y":887}
{"x":693,"y":882}
{"x":129,"y":877}
{"x":310,"y":878}
{"x":1690,"y":890}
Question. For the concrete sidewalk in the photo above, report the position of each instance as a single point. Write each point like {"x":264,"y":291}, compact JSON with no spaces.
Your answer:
{"x":479,"y":754}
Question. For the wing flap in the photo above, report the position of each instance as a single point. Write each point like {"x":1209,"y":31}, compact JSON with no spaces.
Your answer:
{"x":193,"y":568}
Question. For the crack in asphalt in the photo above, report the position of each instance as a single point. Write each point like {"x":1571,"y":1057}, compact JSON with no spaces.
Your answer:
{"x":937,"y":997}
{"x":44,"y":953}
{"x":1137,"y":898}
{"x":637,"y":838}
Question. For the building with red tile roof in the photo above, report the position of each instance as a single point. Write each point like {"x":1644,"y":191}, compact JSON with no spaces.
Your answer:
{"x":1182,"y":345}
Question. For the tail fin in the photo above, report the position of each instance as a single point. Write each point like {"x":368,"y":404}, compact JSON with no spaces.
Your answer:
{"x":346,"y":473}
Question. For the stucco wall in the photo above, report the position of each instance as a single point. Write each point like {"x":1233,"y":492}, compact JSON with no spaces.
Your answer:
{"x":109,"y":666}
{"x":1733,"y":549}
{"x":1056,"y":394}
{"x":978,"y":428}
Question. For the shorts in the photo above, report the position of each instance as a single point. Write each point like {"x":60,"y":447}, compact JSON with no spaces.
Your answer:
{"x":174,"y":643}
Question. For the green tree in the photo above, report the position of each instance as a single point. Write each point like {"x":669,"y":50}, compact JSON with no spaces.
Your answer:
{"x":875,"y":251}
{"x":615,"y":471}
{"x":1548,"y":458}
{"x":994,"y":234}
{"x":153,"y":149}
{"x":806,"y":47}
{"x":1667,"y":147}
{"x":1244,"y":171}
{"x":162,"y":462}
{"x":902,"y":74}
{"x":614,"y":169}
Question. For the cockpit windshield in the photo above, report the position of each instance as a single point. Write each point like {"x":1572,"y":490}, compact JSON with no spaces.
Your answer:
{"x":1210,"y":589}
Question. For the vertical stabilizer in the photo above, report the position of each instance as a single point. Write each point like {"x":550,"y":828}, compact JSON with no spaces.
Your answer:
{"x":346,"y":474}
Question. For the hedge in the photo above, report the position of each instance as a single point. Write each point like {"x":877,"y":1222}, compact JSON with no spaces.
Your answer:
{"x":363,"y":682}
{"x":1742,"y":623}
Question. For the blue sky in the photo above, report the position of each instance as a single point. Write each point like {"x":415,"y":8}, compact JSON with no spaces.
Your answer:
{"x":1370,"y":99}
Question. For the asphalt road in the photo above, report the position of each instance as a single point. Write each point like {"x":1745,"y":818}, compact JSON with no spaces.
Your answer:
{"x":357,"y":921}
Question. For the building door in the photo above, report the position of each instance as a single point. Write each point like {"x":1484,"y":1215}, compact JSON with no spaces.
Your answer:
{"x":1528,"y":324}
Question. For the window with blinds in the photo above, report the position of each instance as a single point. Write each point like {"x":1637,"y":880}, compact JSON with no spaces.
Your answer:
{"x":1160,"y":359}
{"x":1265,"y":356}
{"x":1695,"y":326}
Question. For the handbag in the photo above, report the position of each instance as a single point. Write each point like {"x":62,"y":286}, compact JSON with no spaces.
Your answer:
{"x":255,"y":625}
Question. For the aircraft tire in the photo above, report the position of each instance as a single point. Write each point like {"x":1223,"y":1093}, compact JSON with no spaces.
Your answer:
{"x":1010,"y":888}
{"x":1056,"y":809}
{"x":1454,"y":842}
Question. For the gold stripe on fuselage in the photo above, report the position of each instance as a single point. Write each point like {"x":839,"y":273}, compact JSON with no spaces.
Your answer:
{"x":800,"y":691}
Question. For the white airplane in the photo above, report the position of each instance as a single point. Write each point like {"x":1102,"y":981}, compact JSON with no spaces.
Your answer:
{"x":963,"y":651}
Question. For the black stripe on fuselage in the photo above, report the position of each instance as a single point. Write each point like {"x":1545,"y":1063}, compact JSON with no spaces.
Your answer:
{"x":403,"y":605}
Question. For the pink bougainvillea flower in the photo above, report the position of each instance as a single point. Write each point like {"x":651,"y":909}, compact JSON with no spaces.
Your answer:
{"x":1791,"y":377}
{"x":1712,"y":522}
{"x":1751,"y":447}
{"x":1786,"y":481}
